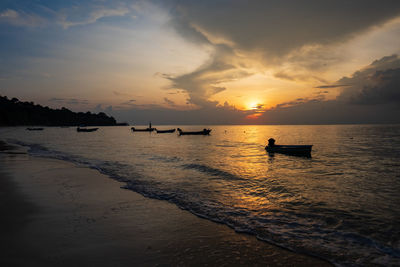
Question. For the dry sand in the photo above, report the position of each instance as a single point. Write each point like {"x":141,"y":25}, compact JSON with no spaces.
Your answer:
{"x":55,"y":213}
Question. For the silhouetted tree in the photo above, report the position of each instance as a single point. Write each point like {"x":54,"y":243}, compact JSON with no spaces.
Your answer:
{"x":14,"y":112}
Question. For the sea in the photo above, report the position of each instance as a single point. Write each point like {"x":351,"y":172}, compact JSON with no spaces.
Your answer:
{"x":341,"y":204}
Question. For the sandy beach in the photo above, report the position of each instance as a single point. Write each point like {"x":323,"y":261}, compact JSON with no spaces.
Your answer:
{"x":55,"y":213}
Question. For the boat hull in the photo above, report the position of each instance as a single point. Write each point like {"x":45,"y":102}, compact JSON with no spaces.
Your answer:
{"x":290,"y":149}
{"x":133,"y":129}
{"x":204,"y":132}
{"x":86,"y":130}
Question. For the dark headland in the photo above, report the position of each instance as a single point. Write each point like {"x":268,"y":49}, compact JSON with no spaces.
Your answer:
{"x":15,"y":113}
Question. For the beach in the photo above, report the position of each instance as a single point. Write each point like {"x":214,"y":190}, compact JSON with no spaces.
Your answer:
{"x":56,"y":213}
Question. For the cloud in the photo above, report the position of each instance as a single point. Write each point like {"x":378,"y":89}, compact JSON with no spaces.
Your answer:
{"x":204,"y":82}
{"x":21,"y":18}
{"x":371,"y":96}
{"x":330,"y":112}
{"x":70,"y":101}
{"x":130,"y":102}
{"x":99,"y":108}
{"x":297,"y":38}
{"x":331,"y":86}
{"x":378,"y":83}
{"x":277,"y":27}
{"x":169,"y":102}
{"x":93,"y":16}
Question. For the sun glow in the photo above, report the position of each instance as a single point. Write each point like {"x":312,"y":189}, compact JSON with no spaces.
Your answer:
{"x":252,"y":105}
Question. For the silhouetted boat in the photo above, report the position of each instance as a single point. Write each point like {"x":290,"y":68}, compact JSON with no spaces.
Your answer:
{"x":203,"y":132}
{"x":34,"y":129}
{"x":79,"y":129}
{"x":297,"y":150}
{"x":148,"y":129}
{"x":165,"y":131}
{"x":133,"y":129}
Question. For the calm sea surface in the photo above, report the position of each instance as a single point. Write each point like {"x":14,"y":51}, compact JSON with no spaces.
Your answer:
{"x":343,"y":204}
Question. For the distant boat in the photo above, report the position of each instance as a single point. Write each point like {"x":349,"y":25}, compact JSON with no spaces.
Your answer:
{"x":79,"y":129}
{"x":34,"y":129}
{"x":148,"y":129}
{"x":165,"y":131}
{"x":203,"y":132}
{"x":133,"y":129}
{"x":296,"y":150}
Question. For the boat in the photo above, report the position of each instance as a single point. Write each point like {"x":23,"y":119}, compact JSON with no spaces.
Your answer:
{"x":203,"y":132}
{"x":148,"y":129}
{"x":34,"y":129}
{"x":79,"y":129}
{"x":133,"y":129}
{"x":296,"y":150}
{"x":165,"y":131}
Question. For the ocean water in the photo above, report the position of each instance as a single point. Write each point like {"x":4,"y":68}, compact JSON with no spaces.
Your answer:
{"x":342,"y":204}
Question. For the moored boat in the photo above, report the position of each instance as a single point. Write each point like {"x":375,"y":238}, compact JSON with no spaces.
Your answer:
{"x":203,"y":132}
{"x":148,"y":129}
{"x":34,"y":129}
{"x":79,"y":129}
{"x":165,"y":131}
{"x":297,"y":150}
{"x":133,"y":129}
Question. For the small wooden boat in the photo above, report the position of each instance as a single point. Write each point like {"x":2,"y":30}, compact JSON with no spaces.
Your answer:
{"x":34,"y":129}
{"x":133,"y":129}
{"x":79,"y":129}
{"x":203,"y":132}
{"x":165,"y":131}
{"x":148,"y":129}
{"x":297,"y":150}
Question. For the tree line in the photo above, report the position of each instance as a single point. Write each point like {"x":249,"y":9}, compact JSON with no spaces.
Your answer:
{"x":14,"y":112}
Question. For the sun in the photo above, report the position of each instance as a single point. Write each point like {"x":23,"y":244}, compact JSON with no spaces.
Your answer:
{"x":252,"y":105}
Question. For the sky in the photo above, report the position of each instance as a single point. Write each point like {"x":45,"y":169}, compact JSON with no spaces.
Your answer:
{"x":206,"y":62}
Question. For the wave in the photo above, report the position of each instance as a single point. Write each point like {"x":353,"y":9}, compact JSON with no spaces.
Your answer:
{"x":212,"y":171}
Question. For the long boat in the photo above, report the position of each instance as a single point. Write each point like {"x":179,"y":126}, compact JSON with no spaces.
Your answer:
{"x":133,"y":129}
{"x":297,"y":150}
{"x":290,"y":149}
{"x":203,"y":132}
{"x":79,"y":129}
{"x":34,"y":129}
{"x":165,"y":131}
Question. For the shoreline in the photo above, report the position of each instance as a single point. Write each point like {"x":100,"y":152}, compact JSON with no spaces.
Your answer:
{"x":69,"y":215}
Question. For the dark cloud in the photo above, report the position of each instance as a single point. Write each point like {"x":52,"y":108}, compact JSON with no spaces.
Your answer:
{"x":378,"y":83}
{"x":70,"y":101}
{"x":130,"y":103}
{"x":269,"y":32}
{"x":330,"y":112}
{"x":276,"y":27}
{"x":259,"y":106}
{"x":331,"y":86}
{"x":371,"y":95}
{"x":169,"y":102}
{"x":299,"y":101}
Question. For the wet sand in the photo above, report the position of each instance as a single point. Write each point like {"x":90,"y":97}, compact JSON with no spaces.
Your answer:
{"x":55,"y":213}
